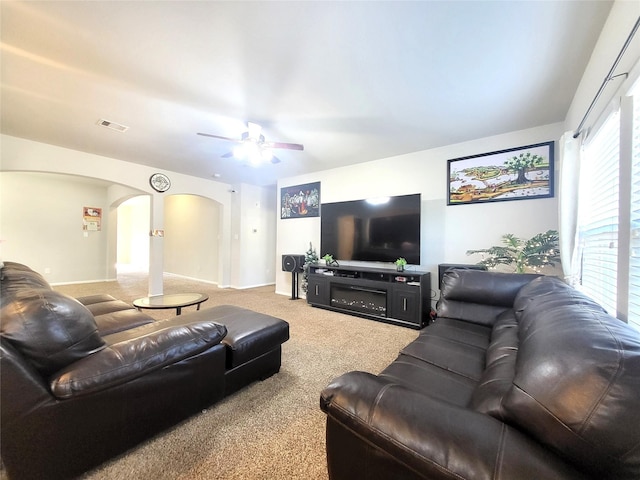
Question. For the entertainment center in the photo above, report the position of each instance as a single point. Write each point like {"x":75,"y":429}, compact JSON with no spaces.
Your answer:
{"x":401,"y":298}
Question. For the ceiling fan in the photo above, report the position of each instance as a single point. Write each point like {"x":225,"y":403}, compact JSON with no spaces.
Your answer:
{"x":253,"y":146}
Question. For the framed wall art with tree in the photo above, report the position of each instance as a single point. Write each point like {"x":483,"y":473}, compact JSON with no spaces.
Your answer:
{"x":515,"y":174}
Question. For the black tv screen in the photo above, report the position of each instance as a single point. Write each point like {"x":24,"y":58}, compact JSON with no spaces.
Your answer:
{"x":376,"y":230}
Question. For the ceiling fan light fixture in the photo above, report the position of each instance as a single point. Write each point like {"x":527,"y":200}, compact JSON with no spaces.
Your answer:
{"x":254,"y":131}
{"x":267,"y":154}
{"x":254,"y":154}
{"x":240,"y":152}
{"x":253,"y":147}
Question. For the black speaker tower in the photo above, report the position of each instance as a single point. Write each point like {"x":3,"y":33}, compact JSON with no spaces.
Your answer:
{"x":293,"y":263}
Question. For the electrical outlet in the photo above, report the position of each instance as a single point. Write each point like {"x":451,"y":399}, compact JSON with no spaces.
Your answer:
{"x":47,"y":270}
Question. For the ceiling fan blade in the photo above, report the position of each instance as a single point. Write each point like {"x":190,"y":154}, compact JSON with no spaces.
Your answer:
{"x":218,"y":136}
{"x":290,"y":146}
{"x":227,"y":155}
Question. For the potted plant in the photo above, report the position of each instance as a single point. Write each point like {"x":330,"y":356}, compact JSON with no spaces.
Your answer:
{"x":525,"y":255}
{"x":310,"y":258}
{"x":328,"y":258}
{"x":400,"y":264}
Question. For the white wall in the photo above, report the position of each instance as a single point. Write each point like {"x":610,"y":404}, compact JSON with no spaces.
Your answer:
{"x":191,"y":237}
{"x":447,"y":231}
{"x":254,"y":234}
{"x":41,"y":226}
{"x":619,"y":24}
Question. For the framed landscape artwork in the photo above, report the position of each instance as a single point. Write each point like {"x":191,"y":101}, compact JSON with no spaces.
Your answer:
{"x":300,"y":201}
{"x":515,"y":174}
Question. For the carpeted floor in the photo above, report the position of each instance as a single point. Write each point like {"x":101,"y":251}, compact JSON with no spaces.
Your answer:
{"x":272,"y":429}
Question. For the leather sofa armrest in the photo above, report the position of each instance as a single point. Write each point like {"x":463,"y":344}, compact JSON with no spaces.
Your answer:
{"x":133,"y":357}
{"x":428,"y":436}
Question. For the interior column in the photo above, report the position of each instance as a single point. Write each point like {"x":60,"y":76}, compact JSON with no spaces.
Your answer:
{"x":156,"y":245}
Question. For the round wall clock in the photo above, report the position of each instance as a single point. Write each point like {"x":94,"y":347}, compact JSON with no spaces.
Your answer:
{"x":160,"y":182}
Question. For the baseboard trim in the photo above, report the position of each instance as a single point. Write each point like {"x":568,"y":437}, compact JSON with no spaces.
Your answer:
{"x":54,"y":284}
{"x":254,"y":286}
{"x":186,"y":277}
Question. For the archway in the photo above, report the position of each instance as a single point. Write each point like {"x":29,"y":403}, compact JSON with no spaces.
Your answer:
{"x":132,"y":249}
{"x":192,"y":225}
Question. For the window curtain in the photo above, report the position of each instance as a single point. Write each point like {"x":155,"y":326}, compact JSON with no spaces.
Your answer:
{"x":568,"y":206}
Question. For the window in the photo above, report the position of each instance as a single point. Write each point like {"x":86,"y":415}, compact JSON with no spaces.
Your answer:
{"x":634,"y":247}
{"x":609,"y":211}
{"x":608,"y":231}
{"x":598,"y":213}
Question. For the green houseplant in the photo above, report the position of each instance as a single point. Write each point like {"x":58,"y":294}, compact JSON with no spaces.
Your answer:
{"x":328,"y":258}
{"x":310,"y":258}
{"x":524,"y":255}
{"x":400,"y":264}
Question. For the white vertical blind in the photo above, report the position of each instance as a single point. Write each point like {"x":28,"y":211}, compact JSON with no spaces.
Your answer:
{"x":598,"y":214}
{"x":634,"y":256}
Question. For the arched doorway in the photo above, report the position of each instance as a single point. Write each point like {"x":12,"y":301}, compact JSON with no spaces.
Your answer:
{"x":192,"y":236}
{"x":132,"y":250}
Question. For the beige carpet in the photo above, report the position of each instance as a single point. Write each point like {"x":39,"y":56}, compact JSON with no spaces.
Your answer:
{"x":272,"y":429}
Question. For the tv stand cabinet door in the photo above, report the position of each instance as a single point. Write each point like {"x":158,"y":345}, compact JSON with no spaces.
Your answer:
{"x":318,"y":290}
{"x":405,"y":304}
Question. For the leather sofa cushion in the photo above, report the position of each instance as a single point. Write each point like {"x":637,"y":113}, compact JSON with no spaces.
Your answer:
{"x":497,"y":379}
{"x":470,"y":312}
{"x":121,"y":320}
{"x":445,"y":361}
{"x":50,"y":329}
{"x":504,"y":337}
{"x":577,"y":383}
{"x":478,"y":296}
{"x":459,"y":358}
{"x":547,"y":293}
{"x":114,"y":315}
{"x":430,"y":380}
{"x":103,"y":303}
{"x":137,"y":356}
{"x":460,"y":331}
{"x":16,"y":277}
{"x":479,"y":286}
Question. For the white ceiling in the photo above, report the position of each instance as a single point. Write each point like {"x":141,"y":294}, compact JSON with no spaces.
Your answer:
{"x":352,"y":81}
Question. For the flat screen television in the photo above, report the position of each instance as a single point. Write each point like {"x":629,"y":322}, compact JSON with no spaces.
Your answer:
{"x":375,"y":230}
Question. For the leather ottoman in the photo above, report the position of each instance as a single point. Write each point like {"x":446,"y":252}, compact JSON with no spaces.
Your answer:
{"x":253,"y":343}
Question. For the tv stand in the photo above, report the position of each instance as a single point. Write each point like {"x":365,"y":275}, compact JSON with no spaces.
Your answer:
{"x":386,"y":295}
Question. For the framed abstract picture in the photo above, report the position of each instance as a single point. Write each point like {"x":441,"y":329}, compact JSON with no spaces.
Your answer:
{"x":515,"y":174}
{"x":300,"y":201}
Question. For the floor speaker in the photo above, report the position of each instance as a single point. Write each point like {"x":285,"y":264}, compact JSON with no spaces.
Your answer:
{"x":292,"y":263}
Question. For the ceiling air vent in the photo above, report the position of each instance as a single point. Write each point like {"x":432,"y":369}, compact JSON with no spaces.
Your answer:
{"x":112,"y":125}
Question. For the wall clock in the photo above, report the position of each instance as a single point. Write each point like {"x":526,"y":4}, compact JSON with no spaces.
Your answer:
{"x":160,"y":182}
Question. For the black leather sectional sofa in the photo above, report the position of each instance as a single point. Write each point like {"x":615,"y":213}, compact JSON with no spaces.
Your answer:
{"x":519,"y":377}
{"x":83,"y":380}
